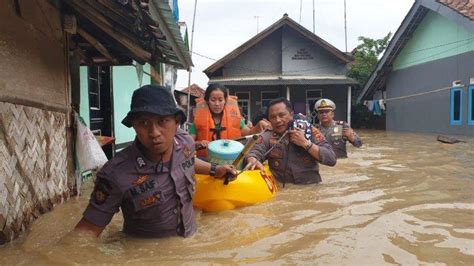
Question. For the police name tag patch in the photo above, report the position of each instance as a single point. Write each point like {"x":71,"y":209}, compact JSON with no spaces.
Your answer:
{"x":187,"y":164}
{"x":143,"y":187}
{"x":101,"y":191}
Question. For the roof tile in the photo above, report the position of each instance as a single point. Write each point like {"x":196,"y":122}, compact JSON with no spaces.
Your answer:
{"x":463,"y":7}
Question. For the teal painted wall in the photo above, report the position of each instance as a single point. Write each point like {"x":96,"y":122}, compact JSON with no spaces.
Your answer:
{"x":125,"y":81}
{"x":84,"y":105}
{"x":435,"y":38}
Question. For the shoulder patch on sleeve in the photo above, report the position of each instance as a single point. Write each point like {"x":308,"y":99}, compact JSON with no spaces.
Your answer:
{"x":101,"y":191}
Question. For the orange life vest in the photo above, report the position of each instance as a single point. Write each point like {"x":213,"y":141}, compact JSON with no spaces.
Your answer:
{"x":230,"y":122}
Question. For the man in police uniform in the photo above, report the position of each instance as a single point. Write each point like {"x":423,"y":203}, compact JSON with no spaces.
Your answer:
{"x":294,"y":157}
{"x":152,"y":180}
{"x":336,"y":132}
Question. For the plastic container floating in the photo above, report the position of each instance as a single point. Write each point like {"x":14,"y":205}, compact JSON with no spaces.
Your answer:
{"x":224,"y":151}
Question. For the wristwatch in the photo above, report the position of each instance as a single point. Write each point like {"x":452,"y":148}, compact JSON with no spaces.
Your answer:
{"x":212,"y":172}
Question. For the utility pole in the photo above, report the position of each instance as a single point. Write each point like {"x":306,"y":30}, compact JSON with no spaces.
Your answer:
{"x":345,"y":25}
{"x":190,"y":70}
{"x":301,"y":8}
{"x":313,"y":20}
{"x":257,"y":17}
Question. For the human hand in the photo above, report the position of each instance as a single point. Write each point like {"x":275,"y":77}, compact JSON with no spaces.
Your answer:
{"x":223,"y":170}
{"x":301,"y":116}
{"x":263,"y":125}
{"x":348,"y":133}
{"x":201,"y":144}
{"x":253,"y":163}
{"x":297,"y":137}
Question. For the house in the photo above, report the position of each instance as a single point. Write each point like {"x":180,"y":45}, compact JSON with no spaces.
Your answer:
{"x":426,"y":74}
{"x":106,"y":89}
{"x":43,"y":45}
{"x":194,"y":92}
{"x":285,"y":60}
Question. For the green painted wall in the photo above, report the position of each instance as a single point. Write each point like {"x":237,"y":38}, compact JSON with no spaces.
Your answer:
{"x":435,"y":38}
{"x":125,"y":81}
{"x":84,"y":105}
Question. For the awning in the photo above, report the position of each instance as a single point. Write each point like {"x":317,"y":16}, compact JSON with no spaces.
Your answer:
{"x":286,"y":80}
{"x":119,"y":31}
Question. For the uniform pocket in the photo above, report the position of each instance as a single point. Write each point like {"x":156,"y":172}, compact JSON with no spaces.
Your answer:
{"x":147,"y":200}
{"x":190,"y":184}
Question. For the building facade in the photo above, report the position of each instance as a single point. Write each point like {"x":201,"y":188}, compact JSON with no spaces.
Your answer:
{"x":285,"y":60}
{"x":43,"y":45}
{"x":426,"y":75}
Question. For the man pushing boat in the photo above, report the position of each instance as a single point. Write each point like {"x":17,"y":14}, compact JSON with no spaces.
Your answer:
{"x":152,"y":180}
{"x":292,"y":149}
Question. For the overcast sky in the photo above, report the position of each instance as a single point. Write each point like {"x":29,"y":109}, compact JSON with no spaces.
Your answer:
{"x":223,"y":25}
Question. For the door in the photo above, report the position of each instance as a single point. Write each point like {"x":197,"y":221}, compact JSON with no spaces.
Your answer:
{"x":100,"y":104}
{"x":312,"y":96}
{"x":243,"y":100}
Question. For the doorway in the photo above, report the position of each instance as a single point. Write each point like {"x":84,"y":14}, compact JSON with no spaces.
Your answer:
{"x":100,"y":104}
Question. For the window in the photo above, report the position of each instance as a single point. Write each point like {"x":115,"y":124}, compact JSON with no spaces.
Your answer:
{"x":456,"y":106}
{"x":94,"y":88}
{"x":243,"y":100}
{"x":470,"y":105}
{"x":312,"y":96}
{"x":267,"y":96}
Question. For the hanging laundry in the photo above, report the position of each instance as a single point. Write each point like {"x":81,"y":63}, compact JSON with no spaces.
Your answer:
{"x":376,"y":107}
{"x":382,"y":104}
{"x":370,"y":105}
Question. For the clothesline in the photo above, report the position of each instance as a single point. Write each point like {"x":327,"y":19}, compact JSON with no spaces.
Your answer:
{"x":417,"y":94}
{"x":377,"y":106}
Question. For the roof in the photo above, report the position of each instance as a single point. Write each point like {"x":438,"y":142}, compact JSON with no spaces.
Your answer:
{"x":463,"y":7}
{"x":284,"y":21}
{"x":195,"y":91}
{"x":459,"y":11}
{"x":119,"y":31}
{"x":285,"y":80}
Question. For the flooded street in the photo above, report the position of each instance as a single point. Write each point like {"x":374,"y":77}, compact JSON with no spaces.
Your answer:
{"x":402,"y":198}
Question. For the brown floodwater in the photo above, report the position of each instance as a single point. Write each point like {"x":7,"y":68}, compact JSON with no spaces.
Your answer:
{"x":402,"y":198}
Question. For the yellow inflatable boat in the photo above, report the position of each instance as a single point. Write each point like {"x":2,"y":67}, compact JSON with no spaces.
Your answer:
{"x":250,"y":187}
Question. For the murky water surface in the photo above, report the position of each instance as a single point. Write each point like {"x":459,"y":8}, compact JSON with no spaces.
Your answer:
{"x":401,"y":198}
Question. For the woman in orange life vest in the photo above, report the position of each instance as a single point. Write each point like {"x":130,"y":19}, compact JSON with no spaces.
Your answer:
{"x":217,"y":116}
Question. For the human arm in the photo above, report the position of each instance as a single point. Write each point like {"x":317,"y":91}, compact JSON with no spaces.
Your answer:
{"x":352,"y":136}
{"x":203,"y":167}
{"x":84,"y":226}
{"x":297,"y":137}
{"x":200,"y":144}
{"x":259,"y":127}
{"x":319,"y":149}
{"x":104,"y":202}
{"x":256,"y":155}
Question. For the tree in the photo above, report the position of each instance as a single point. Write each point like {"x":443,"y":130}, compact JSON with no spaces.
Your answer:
{"x":366,"y":57}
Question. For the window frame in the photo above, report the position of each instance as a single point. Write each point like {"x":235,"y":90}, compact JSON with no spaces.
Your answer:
{"x":248,"y":100}
{"x":261,"y":96}
{"x":310,"y":109}
{"x":94,"y":82}
{"x":451,"y":107}
{"x":470,"y":105}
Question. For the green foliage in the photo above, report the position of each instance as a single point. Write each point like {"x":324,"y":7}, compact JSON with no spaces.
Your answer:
{"x":366,"y":58}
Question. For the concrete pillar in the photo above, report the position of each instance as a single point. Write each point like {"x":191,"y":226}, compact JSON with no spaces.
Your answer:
{"x":349,"y":104}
